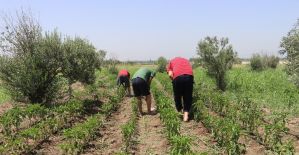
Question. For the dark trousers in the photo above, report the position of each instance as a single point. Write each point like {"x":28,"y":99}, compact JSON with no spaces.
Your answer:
{"x":182,"y":90}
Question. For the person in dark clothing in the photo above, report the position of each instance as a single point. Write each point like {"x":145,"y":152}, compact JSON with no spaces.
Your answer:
{"x":123,"y":79}
{"x":180,"y":71}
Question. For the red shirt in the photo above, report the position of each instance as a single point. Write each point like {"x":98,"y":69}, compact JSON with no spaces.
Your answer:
{"x":124,"y":73}
{"x":179,"y":66}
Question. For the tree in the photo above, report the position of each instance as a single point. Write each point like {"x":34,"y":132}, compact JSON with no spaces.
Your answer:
{"x":290,"y":45}
{"x":31,"y":62}
{"x":217,"y":57}
{"x":161,"y":62}
{"x":34,"y":63}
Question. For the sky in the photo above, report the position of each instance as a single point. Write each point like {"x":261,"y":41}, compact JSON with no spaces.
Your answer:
{"x":148,"y":29}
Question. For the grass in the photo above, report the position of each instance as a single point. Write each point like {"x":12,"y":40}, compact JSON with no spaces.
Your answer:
{"x":269,"y":88}
{"x":3,"y":95}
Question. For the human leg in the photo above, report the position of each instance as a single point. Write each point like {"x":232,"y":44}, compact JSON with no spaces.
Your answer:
{"x":177,"y":95}
{"x":187,"y":95}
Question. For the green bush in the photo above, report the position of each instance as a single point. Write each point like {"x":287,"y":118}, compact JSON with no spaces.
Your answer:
{"x":290,"y":45}
{"x":161,"y":62}
{"x":256,"y":62}
{"x":34,"y":63}
{"x":33,"y":75}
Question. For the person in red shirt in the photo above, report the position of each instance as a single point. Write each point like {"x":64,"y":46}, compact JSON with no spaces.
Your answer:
{"x":180,"y":71}
{"x":123,"y":79}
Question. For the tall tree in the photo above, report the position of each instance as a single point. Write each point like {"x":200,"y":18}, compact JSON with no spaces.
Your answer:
{"x":217,"y":56}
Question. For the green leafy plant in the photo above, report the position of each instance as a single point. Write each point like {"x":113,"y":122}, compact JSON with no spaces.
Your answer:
{"x":180,"y":145}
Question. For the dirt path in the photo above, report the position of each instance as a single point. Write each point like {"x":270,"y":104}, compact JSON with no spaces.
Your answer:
{"x":151,"y":136}
{"x":110,"y":141}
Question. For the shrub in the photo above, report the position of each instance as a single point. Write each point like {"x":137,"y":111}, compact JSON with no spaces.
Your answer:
{"x":34,"y":63}
{"x":218,"y":57}
{"x":272,"y":61}
{"x":256,"y":62}
{"x":161,"y":62}
{"x":32,"y":75}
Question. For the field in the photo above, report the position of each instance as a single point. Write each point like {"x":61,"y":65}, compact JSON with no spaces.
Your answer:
{"x":258,"y":114}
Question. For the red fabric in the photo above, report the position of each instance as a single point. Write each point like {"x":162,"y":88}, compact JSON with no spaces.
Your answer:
{"x":123,"y":73}
{"x":179,"y":66}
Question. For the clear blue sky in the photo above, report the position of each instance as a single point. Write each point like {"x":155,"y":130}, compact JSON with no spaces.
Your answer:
{"x":147,"y":29}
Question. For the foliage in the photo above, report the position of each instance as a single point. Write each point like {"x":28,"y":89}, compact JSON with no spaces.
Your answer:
{"x":180,"y":145}
{"x":290,"y":45}
{"x":10,"y":119}
{"x":274,"y":132}
{"x":61,"y":117}
{"x":4,"y":96}
{"x":80,"y":134}
{"x":196,"y":62}
{"x":272,"y":61}
{"x":258,"y":62}
{"x":218,"y":57}
{"x":270,"y":88}
{"x":33,"y":74}
{"x":34,"y":62}
{"x":161,"y":64}
{"x":81,"y":61}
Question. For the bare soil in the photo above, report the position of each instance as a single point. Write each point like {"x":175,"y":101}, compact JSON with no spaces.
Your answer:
{"x":5,"y":107}
{"x":151,"y":134}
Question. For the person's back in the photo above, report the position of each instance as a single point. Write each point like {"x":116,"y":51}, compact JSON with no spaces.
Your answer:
{"x":123,"y":78}
{"x":180,"y":66}
{"x":180,"y":71}
{"x":141,"y":81}
{"x":143,"y":73}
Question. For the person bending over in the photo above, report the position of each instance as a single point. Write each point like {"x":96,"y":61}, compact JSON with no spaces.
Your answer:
{"x":123,"y":79}
{"x":141,"y":82}
{"x":180,"y":71}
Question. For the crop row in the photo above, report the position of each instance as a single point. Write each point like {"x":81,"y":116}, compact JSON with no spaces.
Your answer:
{"x":165,"y":82}
{"x":51,"y":120}
{"x":179,"y":144}
{"x":248,"y":116}
{"x":28,"y":139}
{"x":11,"y":120}
{"x":78,"y":136}
{"x":129,"y":129}
{"x":225,"y":131}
